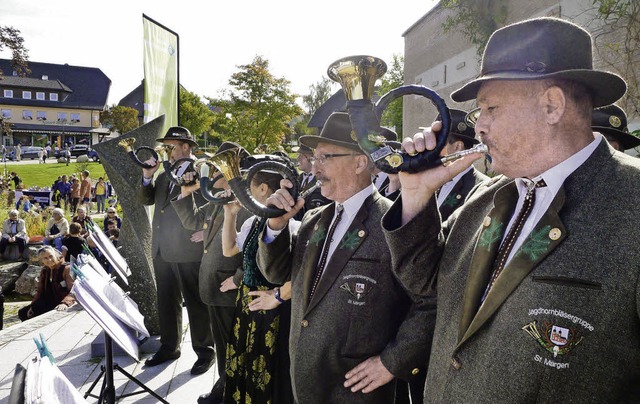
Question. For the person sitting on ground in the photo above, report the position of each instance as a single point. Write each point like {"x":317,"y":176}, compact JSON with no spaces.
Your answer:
{"x":54,"y":285}
{"x":112,"y":215}
{"x":25,"y":203}
{"x":57,"y":228}
{"x":14,"y":231}
{"x":16,"y":179}
{"x":82,"y":219}
{"x":74,"y":244}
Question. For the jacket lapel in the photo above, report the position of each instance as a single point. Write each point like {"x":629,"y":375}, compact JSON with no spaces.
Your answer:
{"x":484,"y":254}
{"x":313,"y":250}
{"x":215,"y":220}
{"x":352,"y":239}
{"x":548,"y":233}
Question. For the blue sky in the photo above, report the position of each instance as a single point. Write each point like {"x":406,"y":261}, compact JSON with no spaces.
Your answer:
{"x":299,"y":38}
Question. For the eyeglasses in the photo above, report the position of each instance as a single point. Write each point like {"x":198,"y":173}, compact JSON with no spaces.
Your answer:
{"x":322,"y":158}
{"x":472,"y":117}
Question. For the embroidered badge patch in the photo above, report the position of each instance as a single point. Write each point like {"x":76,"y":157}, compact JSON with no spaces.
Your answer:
{"x":558,"y":333}
{"x":554,"y":338}
{"x":318,"y":235}
{"x":358,"y":287}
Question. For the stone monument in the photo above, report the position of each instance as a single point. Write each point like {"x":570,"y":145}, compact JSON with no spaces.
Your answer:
{"x":135,"y":236}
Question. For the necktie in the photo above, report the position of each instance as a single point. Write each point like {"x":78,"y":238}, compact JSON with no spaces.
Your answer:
{"x":325,"y":251}
{"x":305,"y":179}
{"x":514,"y":233}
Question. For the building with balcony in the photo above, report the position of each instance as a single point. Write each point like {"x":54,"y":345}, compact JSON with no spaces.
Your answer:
{"x":55,"y":104}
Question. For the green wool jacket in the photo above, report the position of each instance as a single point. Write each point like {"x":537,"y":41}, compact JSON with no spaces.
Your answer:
{"x":562,"y":322}
{"x":358,"y":310}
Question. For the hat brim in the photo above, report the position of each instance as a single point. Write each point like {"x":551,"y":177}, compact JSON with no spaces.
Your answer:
{"x":626,"y":140}
{"x":312,"y":141}
{"x":191,"y":142}
{"x":606,"y":87}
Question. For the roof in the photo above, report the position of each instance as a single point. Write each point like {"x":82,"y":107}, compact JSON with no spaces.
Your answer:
{"x":86,"y":87}
{"x":433,"y":9}
{"x":135,"y":99}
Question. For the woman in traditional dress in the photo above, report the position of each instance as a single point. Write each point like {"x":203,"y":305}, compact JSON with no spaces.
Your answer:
{"x":257,"y":365}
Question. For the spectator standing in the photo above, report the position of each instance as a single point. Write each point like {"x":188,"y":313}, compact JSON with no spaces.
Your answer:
{"x":16,"y":179}
{"x":65,"y":192}
{"x":4,"y":153}
{"x":48,"y":150}
{"x":40,"y":156}
{"x":57,"y":228}
{"x":75,"y":194}
{"x":67,"y":154}
{"x":100,"y":192}
{"x":18,"y":152}
{"x":85,"y":190}
{"x":14,"y":231}
{"x":54,"y":286}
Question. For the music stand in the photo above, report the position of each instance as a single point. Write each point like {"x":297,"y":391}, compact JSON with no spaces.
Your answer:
{"x":118,"y":316}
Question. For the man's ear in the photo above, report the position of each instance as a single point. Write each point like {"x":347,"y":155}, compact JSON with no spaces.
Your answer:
{"x":362,"y":163}
{"x":554,"y":103}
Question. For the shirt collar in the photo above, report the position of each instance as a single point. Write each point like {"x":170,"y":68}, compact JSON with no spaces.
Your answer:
{"x":354,"y":203}
{"x":556,"y":175}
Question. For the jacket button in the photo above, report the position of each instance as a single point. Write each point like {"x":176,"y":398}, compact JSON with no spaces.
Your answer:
{"x":415,"y":371}
{"x":205,"y":251}
{"x":162,"y":211}
{"x":305,"y":323}
{"x":455,"y":362}
{"x":204,"y":226}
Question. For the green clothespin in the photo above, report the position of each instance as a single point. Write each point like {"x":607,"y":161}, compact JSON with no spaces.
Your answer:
{"x":77,"y":271}
{"x":43,"y":349}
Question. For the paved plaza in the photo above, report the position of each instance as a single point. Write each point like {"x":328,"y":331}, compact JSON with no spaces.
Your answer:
{"x":69,"y":336}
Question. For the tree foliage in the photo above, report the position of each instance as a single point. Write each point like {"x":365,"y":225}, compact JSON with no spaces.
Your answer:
{"x":392,"y":116}
{"x":616,"y":34}
{"x":194,"y":114}
{"x":476,"y":19}
{"x":10,"y":39}
{"x":257,"y":109}
{"x":120,"y":119}
{"x":319,"y":93}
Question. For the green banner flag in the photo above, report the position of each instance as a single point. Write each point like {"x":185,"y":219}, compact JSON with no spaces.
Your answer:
{"x":161,"y":76}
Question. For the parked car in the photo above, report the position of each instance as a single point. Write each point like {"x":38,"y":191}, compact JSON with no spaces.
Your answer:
{"x":28,"y":152}
{"x":79,"y":150}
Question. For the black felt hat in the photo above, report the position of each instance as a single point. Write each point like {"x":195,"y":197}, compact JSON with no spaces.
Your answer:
{"x":179,"y":133}
{"x":302,"y":149}
{"x":612,"y":120}
{"x":460,"y":128}
{"x":337,"y":130}
{"x":544,"y":48}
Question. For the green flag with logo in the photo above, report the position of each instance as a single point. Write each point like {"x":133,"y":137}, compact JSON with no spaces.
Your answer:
{"x":161,"y":77}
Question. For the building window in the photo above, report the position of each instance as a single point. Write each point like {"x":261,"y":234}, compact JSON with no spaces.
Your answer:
{"x":53,"y":97}
{"x":8,"y":93}
{"x":39,"y":96}
{"x":26,"y":95}
{"x":27,"y":114}
{"x":6,"y":114}
{"x":41,"y":115}
{"x":75,"y":118}
{"x":62,"y":117}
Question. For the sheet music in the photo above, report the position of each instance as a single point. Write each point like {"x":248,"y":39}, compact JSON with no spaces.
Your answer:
{"x":114,"y":257}
{"x":45,"y":383}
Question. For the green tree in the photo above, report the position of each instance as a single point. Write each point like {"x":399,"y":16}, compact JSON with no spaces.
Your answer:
{"x":120,"y":119}
{"x":194,"y":114}
{"x":10,"y":39}
{"x":616,"y":32}
{"x":393,"y":78}
{"x":257,"y":109}
{"x":476,"y":19}
{"x":319,"y":93}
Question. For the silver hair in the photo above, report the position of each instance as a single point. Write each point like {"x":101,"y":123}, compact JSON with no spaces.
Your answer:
{"x":13,"y":212}
{"x":52,"y":250}
{"x":59,"y":211}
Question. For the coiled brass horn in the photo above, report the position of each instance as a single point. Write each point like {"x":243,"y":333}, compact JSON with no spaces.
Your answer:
{"x":229,"y":163}
{"x":357,"y":76}
{"x":160,"y":153}
{"x":209,"y":175}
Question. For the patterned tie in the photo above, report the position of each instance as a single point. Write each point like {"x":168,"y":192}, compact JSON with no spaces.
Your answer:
{"x":513,"y":234}
{"x":325,"y":251}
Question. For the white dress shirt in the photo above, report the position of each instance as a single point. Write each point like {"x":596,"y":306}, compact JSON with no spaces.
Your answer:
{"x":445,"y":190}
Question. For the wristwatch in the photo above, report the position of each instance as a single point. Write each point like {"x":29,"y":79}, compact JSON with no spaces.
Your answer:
{"x":277,"y":295}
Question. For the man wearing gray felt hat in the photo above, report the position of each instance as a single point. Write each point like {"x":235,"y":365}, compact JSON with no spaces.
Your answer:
{"x":353,"y":328}
{"x":532,"y":305}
